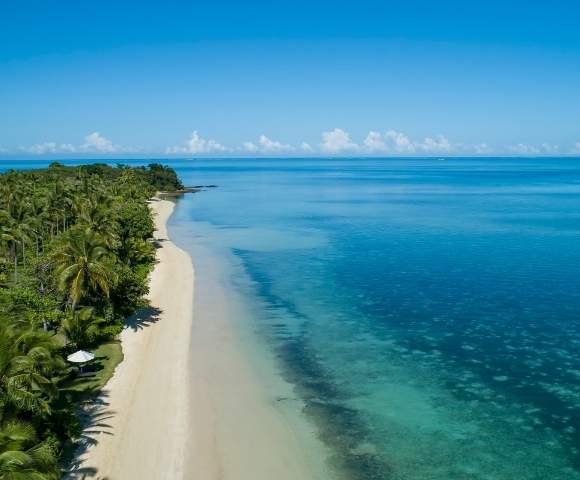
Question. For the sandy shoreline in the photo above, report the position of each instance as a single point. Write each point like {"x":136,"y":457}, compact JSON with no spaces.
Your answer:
{"x":143,"y":420}
{"x":191,"y":400}
{"x":247,"y":422}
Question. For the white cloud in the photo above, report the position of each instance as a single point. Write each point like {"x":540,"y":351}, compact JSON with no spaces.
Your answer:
{"x":550,"y":149}
{"x":523,"y":149}
{"x":96,"y":143}
{"x":398,"y":143}
{"x":250,"y":147}
{"x":266,"y":145}
{"x":526,"y":149}
{"x":482,"y":148}
{"x":196,"y":145}
{"x":41,"y":148}
{"x":374,"y":142}
{"x":439,"y":144}
{"x":50,"y":147}
{"x":337,"y":141}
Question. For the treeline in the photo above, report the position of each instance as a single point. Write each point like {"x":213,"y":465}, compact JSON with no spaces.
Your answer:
{"x":75,"y":254}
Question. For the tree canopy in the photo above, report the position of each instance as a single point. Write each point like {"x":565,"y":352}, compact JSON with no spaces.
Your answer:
{"x":75,"y":254}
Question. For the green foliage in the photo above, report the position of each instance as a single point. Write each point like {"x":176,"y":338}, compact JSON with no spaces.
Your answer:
{"x":27,"y":365}
{"x":134,"y":227}
{"x":29,"y":308}
{"x":21,"y":454}
{"x":134,"y":221}
{"x":128,"y":293}
{"x":5,"y":268}
{"x":163,"y":178}
{"x":75,"y":252}
{"x":83,"y":265}
{"x":83,"y":327}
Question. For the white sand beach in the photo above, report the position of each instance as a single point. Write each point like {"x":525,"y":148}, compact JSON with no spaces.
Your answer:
{"x":188,"y":401}
{"x":145,"y":412}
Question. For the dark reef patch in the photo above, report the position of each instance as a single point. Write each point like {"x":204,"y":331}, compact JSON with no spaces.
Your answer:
{"x":339,"y":427}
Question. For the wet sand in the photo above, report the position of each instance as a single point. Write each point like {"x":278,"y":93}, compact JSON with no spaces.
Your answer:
{"x":196,"y":397}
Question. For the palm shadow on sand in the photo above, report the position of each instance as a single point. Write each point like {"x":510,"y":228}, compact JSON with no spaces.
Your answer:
{"x":143,"y":318}
{"x":94,"y":416}
{"x":95,"y":412}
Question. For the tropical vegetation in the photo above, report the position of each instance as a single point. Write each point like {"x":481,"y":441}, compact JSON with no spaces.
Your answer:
{"x":75,"y":254}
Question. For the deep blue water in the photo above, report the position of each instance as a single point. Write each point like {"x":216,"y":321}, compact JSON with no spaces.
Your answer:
{"x":426,"y":310}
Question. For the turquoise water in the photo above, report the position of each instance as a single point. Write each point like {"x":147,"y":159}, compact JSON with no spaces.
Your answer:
{"x":427,"y":311}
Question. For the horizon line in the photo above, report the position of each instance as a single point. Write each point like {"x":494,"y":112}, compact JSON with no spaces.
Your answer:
{"x":273,"y":157}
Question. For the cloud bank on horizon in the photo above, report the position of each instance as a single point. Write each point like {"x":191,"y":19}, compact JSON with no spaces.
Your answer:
{"x":335,"y":142}
{"x":94,"y":143}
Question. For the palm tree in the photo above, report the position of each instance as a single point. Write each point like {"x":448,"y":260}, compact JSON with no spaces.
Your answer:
{"x":22,"y":457}
{"x":15,"y":231}
{"x":26,"y":364}
{"x":82,"y":326}
{"x":96,"y":217}
{"x":38,"y":220}
{"x":59,"y":205}
{"x":8,"y":238}
{"x":82,"y":266}
{"x":82,"y":230}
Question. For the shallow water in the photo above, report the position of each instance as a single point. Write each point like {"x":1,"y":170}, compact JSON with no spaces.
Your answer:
{"x":427,"y":311}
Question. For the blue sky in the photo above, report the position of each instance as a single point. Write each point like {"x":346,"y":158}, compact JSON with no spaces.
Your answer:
{"x":178,"y":78}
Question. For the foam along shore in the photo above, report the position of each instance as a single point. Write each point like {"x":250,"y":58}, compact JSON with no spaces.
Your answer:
{"x":140,"y":424}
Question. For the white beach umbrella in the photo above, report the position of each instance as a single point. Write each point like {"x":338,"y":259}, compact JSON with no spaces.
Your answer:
{"x":80,"y":357}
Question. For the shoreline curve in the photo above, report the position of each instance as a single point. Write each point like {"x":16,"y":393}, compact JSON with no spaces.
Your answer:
{"x":140,"y":422}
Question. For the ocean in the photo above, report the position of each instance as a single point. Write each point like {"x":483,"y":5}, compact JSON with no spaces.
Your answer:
{"x":426,"y":311}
